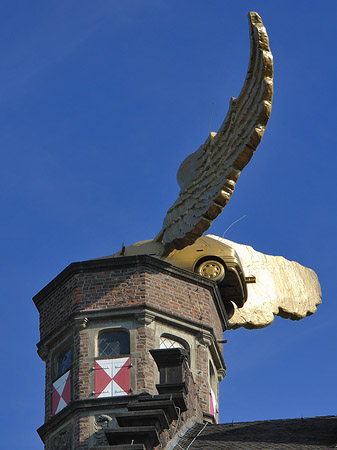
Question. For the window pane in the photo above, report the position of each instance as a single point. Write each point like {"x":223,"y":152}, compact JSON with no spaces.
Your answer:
{"x":62,"y":362}
{"x":65,"y":361}
{"x":169,"y":343}
{"x":113,"y":344}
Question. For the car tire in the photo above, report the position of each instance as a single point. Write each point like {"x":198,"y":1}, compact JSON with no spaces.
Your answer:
{"x":212,"y":269}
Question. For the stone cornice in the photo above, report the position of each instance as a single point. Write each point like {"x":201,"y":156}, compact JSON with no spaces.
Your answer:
{"x":94,"y":404}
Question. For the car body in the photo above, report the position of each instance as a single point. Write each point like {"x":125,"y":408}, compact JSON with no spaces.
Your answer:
{"x":207,"y":256}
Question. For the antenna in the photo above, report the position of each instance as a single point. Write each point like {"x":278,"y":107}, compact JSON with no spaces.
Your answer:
{"x":233,"y":224}
{"x":210,"y":120}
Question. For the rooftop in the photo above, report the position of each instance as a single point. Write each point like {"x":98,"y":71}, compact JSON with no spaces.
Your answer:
{"x":314,"y":433}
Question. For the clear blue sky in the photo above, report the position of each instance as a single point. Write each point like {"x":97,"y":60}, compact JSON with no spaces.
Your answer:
{"x":100,"y":102}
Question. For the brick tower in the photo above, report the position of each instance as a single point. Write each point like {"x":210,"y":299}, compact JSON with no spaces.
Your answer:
{"x":131,"y":351}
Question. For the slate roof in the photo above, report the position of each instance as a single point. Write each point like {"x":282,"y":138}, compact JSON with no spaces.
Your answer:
{"x":316,"y":433}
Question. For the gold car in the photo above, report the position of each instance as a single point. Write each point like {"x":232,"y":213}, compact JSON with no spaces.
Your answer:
{"x":208,"y":257}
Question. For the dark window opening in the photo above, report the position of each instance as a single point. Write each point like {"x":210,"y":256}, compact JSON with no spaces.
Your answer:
{"x":62,"y":362}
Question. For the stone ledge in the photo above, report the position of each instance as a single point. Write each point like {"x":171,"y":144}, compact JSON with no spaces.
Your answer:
{"x":168,"y":406}
{"x":147,"y":435}
{"x":155,"y":417}
{"x":93,"y":404}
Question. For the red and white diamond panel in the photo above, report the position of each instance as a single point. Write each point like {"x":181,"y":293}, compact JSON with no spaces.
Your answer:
{"x":112,"y":377}
{"x":213,"y":406}
{"x":61,"y":393}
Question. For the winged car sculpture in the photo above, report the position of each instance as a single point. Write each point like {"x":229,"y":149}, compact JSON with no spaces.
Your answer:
{"x":207,"y":179}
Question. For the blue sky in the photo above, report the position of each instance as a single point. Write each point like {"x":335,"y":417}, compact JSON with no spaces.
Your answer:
{"x":100,"y":101}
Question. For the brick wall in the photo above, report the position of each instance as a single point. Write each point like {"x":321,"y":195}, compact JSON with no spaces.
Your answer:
{"x":85,"y":292}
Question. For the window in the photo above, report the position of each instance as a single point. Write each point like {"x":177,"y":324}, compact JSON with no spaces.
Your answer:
{"x":113,"y":365}
{"x":166,"y":342}
{"x":213,"y":404}
{"x":61,"y":362}
{"x":212,"y":380}
{"x":113,"y":343}
{"x":61,"y":387}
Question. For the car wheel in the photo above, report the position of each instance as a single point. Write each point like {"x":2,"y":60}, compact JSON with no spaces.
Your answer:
{"x":212,"y":269}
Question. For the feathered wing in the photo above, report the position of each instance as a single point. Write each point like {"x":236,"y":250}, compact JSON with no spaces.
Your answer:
{"x":283,"y":288}
{"x":207,"y":177}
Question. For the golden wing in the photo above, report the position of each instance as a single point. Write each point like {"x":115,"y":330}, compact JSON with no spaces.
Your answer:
{"x":282,"y":288}
{"x":207,"y":177}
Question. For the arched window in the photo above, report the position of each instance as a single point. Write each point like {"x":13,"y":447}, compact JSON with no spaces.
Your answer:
{"x":169,"y":342}
{"x":112,"y":344}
